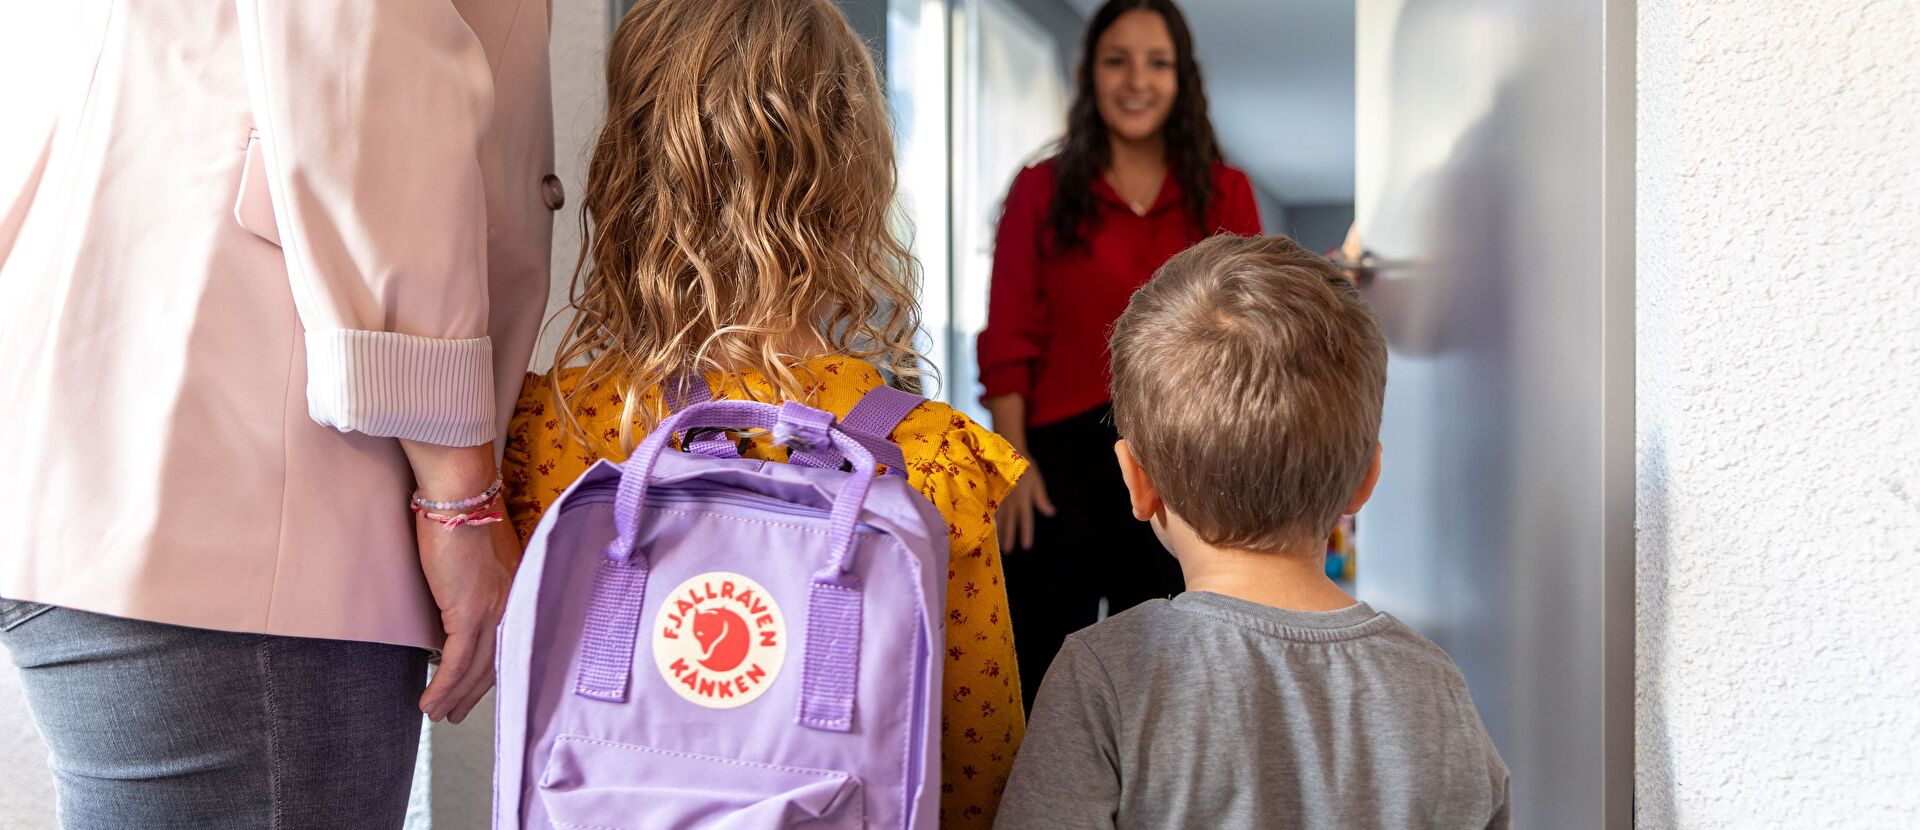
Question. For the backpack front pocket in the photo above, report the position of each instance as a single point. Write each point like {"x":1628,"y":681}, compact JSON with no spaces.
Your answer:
{"x":591,"y":784}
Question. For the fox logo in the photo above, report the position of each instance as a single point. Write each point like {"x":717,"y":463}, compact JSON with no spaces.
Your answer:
{"x":719,"y":640}
{"x":723,"y":638}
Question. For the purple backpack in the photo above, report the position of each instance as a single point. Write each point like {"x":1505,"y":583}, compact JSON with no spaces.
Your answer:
{"x":697,"y":640}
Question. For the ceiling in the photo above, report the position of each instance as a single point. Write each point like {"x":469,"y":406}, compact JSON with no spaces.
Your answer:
{"x":1279,"y":77}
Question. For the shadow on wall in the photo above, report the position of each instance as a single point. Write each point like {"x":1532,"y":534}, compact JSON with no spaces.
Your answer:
{"x":1449,"y":320}
{"x":1485,"y":533}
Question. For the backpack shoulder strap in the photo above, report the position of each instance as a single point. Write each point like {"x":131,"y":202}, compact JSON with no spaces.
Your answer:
{"x":880,"y":411}
{"x":873,"y":419}
{"x":871,"y":422}
{"x":684,"y":390}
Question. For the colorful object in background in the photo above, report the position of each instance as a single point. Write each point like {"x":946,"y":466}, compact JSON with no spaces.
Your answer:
{"x":1340,"y":551}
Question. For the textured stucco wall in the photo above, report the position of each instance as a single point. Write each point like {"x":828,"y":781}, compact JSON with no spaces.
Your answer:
{"x":1778,"y":491}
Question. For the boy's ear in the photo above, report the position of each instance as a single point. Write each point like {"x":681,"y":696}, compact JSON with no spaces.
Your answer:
{"x":1365,"y":492}
{"x":1140,"y":490}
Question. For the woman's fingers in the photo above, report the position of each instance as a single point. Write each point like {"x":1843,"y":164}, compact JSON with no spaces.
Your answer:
{"x":483,"y":683}
{"x":1026,"y":523}
{"x":1019,"y":516}
{"x":455,"y":658}
{"x":1040,"y":500}
{"x":1008,"y":519}
{"x":480,"y":676}
{"x":470,"y":586}
{"x":481,"y":672}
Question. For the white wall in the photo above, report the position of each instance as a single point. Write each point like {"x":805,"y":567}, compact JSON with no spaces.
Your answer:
{"x":1779,"y":453}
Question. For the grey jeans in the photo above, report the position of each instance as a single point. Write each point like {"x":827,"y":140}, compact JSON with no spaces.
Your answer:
{"x":157,"y":726}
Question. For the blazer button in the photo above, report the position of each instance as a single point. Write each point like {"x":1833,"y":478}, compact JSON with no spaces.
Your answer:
{"x":552,"y":193}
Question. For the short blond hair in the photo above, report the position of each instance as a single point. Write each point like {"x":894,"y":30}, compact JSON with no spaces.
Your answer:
{"x":1248,"y":378}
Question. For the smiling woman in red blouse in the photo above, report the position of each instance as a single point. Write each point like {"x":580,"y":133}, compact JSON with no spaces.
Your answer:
{"x":1138,"y":179}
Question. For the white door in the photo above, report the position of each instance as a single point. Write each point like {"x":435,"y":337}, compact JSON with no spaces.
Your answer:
{"x":1493,"y":185}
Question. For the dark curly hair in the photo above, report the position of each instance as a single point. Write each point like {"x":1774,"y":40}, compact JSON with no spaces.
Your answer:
{"x":1085,"y":153}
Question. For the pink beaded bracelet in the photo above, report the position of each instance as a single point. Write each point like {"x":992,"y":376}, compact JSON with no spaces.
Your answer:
{"x":463,"y":504}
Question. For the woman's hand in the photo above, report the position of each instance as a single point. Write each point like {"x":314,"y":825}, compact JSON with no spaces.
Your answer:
{"x":467,"y":570}
{"x":1022,"y":509}
{"x":467,"y":573}
{"x":1027,"y":501}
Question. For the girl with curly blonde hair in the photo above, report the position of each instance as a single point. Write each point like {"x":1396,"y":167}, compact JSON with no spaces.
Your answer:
{"x":739,"y":225}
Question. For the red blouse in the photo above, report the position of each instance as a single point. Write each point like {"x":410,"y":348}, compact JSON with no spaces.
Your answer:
{"x":1048,"y":317}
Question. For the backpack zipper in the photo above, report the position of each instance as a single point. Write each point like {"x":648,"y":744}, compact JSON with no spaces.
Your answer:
{"x":605,"y":495}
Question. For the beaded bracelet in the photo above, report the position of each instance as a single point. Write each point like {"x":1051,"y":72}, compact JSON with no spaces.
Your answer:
{"x":463,"y":504}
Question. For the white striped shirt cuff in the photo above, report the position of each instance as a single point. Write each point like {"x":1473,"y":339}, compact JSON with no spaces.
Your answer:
{"x":400,"y":386}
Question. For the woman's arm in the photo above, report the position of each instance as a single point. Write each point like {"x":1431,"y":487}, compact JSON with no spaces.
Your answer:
{"x":1239,"y":210}
{"x":1010,"y":420}
{"x":1015,"y":335}
{"x":1017,"y":517}
{"x":370,"y":116}
{"x":466,"y":570}
{"x":1013,"y":341}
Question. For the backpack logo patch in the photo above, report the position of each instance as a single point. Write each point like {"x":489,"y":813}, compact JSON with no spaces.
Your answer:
{"x":720,"y":640}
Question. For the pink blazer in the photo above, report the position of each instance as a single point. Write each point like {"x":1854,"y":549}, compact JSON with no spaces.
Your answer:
{"x":244,"y":246}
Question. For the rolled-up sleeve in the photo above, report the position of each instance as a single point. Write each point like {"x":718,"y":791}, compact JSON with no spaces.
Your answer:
{"x":1015,"y":334}
{"x":370,"y":115}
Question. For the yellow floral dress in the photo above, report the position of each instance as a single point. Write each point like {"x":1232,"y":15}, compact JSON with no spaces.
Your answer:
{"x":960,"y":466}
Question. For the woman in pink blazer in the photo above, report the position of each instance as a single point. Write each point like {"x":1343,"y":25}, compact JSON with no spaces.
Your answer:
{"x":267,"y":268}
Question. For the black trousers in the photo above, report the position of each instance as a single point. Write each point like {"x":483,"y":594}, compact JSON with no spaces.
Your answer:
{"x":1091,"y":548}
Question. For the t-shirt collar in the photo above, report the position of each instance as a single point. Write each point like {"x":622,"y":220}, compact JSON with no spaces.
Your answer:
{"x":1356,"y":620}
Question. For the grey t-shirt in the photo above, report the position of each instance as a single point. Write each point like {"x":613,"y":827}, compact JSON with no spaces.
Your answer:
{"x":1212,"y":712}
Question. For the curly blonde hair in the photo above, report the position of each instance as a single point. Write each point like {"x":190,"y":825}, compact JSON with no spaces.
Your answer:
{"x":740,"y":199}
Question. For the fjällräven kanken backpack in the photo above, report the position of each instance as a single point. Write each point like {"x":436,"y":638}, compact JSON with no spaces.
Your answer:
{"x":717,"y":642}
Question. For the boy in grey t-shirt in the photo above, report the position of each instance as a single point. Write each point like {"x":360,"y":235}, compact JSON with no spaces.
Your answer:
{"x":1247,"y":383}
